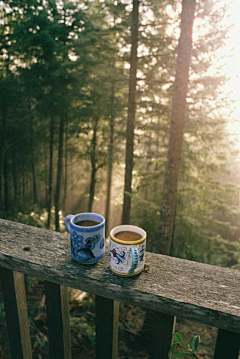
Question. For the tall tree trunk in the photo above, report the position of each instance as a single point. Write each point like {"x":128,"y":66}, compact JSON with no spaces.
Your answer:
{"x":6,"y":185}
{"x":110,"y":163}
{"x":156,"y":182}
{"x":46,"y":171}
{"x":49,"y":205}
{"x":169,"y":200}
{"x":65,"y":168}
{"x":131,"y":115}
{"x":14,"y":177}
{"x":3,"y":149}
{"x":94,"y":166}
{"x":149,"y":155}
{"x":34,"y":183}
{"x":59,"y":172}
{"x":23,"y":189}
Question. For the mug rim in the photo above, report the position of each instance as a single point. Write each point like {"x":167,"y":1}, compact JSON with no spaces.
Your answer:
{"x":90,"y":228}
{"x":130,"y":227}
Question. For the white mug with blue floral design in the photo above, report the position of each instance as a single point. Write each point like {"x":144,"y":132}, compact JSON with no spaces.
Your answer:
{"x":127,"y":250}
{"x":87,"y":232}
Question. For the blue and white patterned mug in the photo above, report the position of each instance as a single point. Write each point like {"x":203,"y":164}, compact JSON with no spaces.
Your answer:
{"x":88,"y":240}
{"x":127,"y":257}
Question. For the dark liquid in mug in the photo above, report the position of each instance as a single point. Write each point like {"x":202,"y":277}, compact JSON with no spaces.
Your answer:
{"x":86,"y":223}
{"x":128,"y":236}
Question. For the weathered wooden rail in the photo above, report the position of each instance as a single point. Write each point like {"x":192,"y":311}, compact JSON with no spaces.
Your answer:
{"x":169,"y":287}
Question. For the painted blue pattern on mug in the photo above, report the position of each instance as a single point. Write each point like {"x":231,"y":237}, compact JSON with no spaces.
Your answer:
{"x":102,"y":242}
{"x":90,"y":242}
{"x":82,"y":248}
{"x":119,"y":254}
{"x":141,"y":252}
{"x":77,"y":241}
{"x":85,"y":254}
{"x":119,"y":257}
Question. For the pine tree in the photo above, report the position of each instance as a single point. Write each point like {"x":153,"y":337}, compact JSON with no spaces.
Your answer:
{"x":131,"y":115}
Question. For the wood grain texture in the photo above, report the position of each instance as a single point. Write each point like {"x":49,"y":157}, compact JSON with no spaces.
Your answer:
{"x":186,"y":289}
{"x":14,"y":296}
{"x":107,"y":315}
{"x":162,"y":329}
{"x":57,"y":301}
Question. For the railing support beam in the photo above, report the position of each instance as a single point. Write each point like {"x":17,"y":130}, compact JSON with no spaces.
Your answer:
{"x":57,"y":301}
{"x":15,"y":304}
{"x":227,"y":345}
{"x":162,"y":328}
{"x":107,"y":315}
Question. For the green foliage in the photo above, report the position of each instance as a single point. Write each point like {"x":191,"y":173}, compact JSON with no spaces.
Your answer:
{"x":187,"y":350}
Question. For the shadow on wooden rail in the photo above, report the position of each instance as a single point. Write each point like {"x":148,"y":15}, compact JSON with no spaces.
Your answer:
{"x":170,"y":287}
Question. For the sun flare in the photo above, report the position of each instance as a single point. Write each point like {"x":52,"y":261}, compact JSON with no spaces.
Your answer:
{"x":232,"y":65}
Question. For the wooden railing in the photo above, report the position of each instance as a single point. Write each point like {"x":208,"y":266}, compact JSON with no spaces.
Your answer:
{"x":169,"y":287}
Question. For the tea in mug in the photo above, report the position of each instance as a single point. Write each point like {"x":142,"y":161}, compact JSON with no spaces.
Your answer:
{"x":128,"y":236}
{"x":86,"y":223}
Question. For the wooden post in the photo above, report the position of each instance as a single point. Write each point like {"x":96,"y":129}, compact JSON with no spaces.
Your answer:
{"x":162,"y":328}
{"x":58,"y":321}
{"x":15,"y":305}
{"x":107,"y":314}
{"x":227,"y":345}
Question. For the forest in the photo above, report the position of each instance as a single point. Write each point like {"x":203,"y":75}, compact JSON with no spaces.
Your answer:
{"x":120,"y":107}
